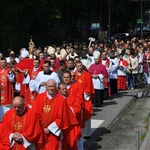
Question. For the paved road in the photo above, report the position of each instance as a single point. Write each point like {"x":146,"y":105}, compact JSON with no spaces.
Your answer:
{"x":103,"y":118}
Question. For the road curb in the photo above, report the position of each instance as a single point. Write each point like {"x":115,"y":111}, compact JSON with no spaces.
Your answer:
{"x":145,"y":143}
{"x":123,"y":110}
{"x":102,"y":130}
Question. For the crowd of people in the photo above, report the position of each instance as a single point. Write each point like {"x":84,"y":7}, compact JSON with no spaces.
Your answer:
{"x":47,"y":96}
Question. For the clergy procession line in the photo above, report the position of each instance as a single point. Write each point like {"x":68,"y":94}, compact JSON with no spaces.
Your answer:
{"x":47,"y":101}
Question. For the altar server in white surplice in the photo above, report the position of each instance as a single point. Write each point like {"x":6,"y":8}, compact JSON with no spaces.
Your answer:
{"x":39,"y":84}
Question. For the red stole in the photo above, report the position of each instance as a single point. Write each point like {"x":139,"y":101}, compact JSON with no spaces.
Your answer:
{"x":124,"y":63}
{"x":107,"y":63}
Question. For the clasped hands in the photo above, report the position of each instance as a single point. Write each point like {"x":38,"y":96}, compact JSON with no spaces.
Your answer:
{"x":17,"y":137}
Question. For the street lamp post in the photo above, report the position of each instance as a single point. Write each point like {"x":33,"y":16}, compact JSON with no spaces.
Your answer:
{"x":109,"y":20}
{"x":141,"y":20}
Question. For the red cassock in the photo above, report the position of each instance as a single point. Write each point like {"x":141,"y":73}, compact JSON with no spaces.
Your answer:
{"x":122,"y":85}
{"x":4,"y":140}
{"x":6,"y":87}
{"x":86,"y":79}
{"x":27,"y":125}
{"x":54,"y":110}
{"x":30,"y":96}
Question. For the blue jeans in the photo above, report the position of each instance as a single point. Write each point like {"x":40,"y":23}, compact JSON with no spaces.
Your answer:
{"x":132,"y":80}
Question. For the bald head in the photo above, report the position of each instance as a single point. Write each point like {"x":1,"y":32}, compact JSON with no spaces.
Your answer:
{"x":18,"y":99}
{"x":51,"y":86}
{"x":18,"y":105}
{"x":51,"y":81}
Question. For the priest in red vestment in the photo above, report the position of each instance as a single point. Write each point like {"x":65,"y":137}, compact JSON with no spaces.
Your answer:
{"x":23,"y":127}
{"x":53,"y":112}
{"x":6,"y":83}
{"x":75,"y":134}
{"x":30,"y":74}
{"x":75,"y":89}
{"x":25,"y":63}
{"x":4,"y":140}
{"x":85,"y":79}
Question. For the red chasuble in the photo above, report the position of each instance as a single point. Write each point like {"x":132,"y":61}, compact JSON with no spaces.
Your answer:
{"x":4,"y":140}
{"x":86,"y":79}
{"x":76,"y":89}
{"x":6,"y":87}
{"x":49,"y":111}
{"x":30,"y":96}
{"x":75,"y":133}
{"x":25,"y":63}
{"x":28,"y":125}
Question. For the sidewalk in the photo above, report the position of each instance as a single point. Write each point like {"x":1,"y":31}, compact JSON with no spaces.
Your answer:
{"x":104,"y":117}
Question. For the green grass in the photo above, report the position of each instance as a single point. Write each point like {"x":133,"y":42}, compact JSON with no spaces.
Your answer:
{"x":146,"y":122}
{"x":142,"y":135}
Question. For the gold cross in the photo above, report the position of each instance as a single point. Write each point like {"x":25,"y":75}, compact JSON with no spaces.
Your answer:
{"x":17,"y":126}
{"x":46,"y":108}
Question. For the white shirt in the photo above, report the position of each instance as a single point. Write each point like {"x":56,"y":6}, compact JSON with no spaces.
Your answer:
{"x":41,"y":77}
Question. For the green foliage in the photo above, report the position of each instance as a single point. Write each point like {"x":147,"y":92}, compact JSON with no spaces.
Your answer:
{"x":52,"y":21}
{"x":21,"y":19}
{"x":142,"y":136}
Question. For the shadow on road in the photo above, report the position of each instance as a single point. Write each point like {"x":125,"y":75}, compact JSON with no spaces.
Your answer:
{"x":110,"y":103}
{"x":94,"y":138}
